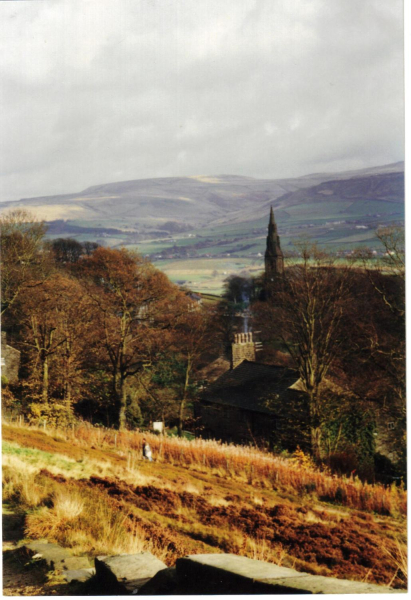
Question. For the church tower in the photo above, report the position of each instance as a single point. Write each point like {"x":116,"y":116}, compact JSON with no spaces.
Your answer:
{"x":274,"y":258}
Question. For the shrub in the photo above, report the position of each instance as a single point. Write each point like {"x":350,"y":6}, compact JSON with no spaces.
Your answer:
{"x":54,"y":414}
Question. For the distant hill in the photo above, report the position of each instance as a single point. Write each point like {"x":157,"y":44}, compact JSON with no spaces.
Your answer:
{"x":364,"y":196}
{"x":200,"y":229}
{"x":204,"y":200}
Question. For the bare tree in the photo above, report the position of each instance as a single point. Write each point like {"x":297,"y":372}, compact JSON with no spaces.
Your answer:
{"x":392,"y":239}
{"x":309,"y":311}
{"x":193,"y":338}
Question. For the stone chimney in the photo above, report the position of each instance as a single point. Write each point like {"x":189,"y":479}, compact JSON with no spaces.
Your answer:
{"x":243,"y":348}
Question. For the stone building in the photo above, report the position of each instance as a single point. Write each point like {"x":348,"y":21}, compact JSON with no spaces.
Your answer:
{"x":10,"y":360}
{"x":253,"y":402}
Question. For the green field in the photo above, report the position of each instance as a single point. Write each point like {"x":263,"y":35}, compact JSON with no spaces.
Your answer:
{"x":207,"y":275}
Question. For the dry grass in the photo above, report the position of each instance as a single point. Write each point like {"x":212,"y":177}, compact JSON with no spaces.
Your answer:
{"x":77,"y":519}
{"x":259,"y":549}
{"x":398,"y":556}
{"x":252,"y":465}
{"x":67,"y":506}
{"x":34,"y":460}
{"x":217,"y":501}
{"x":83,"y":521}
{"x":239,"y":463}
{"x":20,"y":484}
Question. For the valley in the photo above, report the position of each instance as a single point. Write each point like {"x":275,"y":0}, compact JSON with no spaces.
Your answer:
{"x":198,"y":230}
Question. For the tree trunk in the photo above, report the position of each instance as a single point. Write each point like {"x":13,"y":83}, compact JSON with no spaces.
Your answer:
{"x":45,"y":384}
{"x":315,"y":424}
{"x":183,"y":401}
{"x":316,"y":443}
{"x":123,"y":404}
{"x":67,"y":383}
{"x":181,"y":416}
{"x":67,"y":395}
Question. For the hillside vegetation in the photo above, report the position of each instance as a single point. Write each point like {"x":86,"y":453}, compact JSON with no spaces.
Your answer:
{"x":87,"y":488}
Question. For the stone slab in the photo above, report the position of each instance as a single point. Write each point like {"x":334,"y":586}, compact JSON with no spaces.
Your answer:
{"x":316,"y":584}
{"x":227,"y":573}
{"x":78,"y":575}
{"x":127,"y":573}
{"x":52,"y":554}
{"x":74,"y":563}
{"x":231,"y":574}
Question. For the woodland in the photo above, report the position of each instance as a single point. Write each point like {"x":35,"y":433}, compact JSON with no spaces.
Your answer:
{"x":106,"y":338}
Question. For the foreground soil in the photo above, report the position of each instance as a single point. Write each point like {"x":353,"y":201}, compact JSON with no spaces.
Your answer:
{"x":185,"y":511}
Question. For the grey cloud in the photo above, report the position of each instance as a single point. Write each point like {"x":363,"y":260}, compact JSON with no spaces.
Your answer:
{"x":96,"y":91}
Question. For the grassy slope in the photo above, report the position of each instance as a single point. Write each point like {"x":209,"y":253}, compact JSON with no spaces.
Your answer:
{"x":96,"y":498}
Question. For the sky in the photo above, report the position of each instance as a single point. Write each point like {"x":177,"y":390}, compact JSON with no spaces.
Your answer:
{"x":96,"y":91}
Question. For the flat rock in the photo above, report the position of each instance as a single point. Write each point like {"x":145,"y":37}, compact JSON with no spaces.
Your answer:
{"x":231,"y":574}
{"x":52,"y":554}
{"x":78,"y":575}
{"x":127,"y":573}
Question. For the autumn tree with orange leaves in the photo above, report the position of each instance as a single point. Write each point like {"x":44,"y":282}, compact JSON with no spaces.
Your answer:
{"x":133,"y":309}
{"x":55,"y":323}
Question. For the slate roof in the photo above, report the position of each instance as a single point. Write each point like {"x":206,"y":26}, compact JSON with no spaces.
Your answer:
{"x":250,"y":384}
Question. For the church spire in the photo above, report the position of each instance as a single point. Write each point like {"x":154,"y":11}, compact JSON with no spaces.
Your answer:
{"x":274,"y":258}
{"x":272,"y":221}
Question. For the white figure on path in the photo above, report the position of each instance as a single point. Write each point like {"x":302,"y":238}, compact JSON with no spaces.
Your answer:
{"x":147,"y":454}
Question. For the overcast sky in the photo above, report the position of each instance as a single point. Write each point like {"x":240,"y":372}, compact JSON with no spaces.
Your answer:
{"x":95,"y":91}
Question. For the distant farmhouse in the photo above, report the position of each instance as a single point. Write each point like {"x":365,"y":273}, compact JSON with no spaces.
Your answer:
{"x":252,"y":402}
{"x":10,"y":360}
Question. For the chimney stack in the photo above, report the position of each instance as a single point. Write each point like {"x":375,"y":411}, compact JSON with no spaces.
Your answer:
{"x":243,"y":348}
